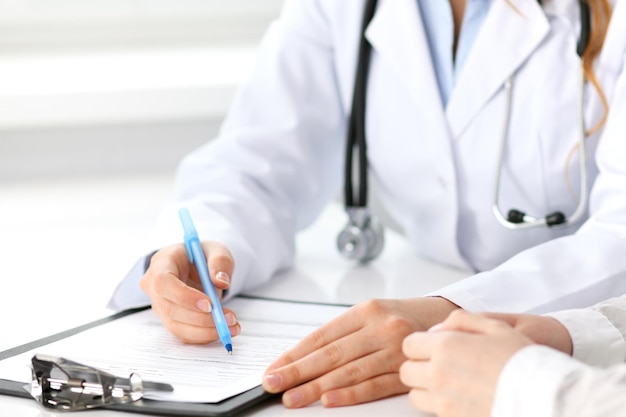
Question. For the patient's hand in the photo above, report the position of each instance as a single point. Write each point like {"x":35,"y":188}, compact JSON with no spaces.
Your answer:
{"x":453,"y":369}
{"x":540,"y":329}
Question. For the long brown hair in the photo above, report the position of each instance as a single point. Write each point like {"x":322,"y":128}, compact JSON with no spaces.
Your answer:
{"x":600,"y":11}
{"x":600,"y":17}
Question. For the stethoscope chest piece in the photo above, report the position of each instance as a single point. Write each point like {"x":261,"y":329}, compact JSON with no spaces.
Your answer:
{"x":363,"y":237}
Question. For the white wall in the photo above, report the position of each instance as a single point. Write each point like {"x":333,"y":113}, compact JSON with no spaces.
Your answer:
{"x":108,"y":87}
{"x":99,"y":99}
{"x":80,"y":24}
{"x":113,"y":88}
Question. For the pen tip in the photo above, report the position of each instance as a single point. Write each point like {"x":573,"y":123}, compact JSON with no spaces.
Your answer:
{"x":229,"y":348}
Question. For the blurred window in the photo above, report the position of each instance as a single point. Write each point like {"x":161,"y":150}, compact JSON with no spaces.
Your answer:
{"x":33,"y":25}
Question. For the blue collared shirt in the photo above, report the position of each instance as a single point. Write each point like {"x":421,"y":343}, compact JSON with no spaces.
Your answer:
{"x":439,"y":27}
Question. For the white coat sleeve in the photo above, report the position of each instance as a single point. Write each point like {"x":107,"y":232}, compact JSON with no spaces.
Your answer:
{"x":598,"y":333}
{"x":277,"y":160}
{"x":588,"y":266}
{"x":541,"y":382}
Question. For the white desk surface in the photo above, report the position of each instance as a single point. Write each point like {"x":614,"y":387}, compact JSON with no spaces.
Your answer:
{"x":65,"y":246}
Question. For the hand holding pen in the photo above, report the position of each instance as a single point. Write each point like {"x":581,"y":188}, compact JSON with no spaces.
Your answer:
{"x":177,"y":296}
{"x":196,"y":256}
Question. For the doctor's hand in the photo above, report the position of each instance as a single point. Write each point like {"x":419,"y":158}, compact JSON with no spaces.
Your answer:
{"x":453,"y":369}
{"x":356,"y":357}
{"x":175,"y":291}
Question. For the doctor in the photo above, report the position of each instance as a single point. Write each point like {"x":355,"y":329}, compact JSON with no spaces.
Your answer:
{"x":461,"y":96}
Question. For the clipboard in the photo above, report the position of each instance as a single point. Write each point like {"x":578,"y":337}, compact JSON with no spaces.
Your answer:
{"x":226,"y":408}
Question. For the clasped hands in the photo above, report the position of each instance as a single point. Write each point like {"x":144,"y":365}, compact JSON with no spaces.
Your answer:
{"x":376,"y":349}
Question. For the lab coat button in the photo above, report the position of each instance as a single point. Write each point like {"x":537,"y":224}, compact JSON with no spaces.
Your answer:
{"x":442,"y":182}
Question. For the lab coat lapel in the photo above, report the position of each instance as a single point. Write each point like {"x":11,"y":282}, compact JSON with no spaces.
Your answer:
{"x":401,"y":50}
{"x":512,"y":30}
{"x":397,"y":34}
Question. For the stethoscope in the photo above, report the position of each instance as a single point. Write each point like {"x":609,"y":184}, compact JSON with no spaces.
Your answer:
{"x":363,"y":237}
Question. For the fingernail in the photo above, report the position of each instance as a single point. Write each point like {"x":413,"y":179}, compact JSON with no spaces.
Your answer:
{"x":231,"y":320}
{"x":235,"y":331}
{"x":204,"y":306}
{"x":273,"y":381}
{"x":223,"y":277}
{"x":293,"y":398}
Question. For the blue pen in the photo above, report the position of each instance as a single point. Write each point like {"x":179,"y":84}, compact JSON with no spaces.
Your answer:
{"x":196,"y":256}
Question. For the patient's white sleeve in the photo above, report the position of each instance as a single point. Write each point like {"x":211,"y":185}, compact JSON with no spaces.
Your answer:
{"x":542,"y":382}
{"x":598,"y":333}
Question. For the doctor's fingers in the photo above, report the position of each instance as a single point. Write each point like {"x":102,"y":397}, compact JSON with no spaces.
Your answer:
{"x":172,"y":277}
{"x":190,"y":334}
{"x":167,"y":289}
{"x":376,"y":388}
{"x":173,"y":262}
{"x":384,"y":336}
{"x":346,"y":324}
{"x":168,"y":264}
{"x":166,"y":310}
{"x":220,"y":262}
{"x":373,"y":321}
{"x":369,"y":378}
{"x":317,"y":363}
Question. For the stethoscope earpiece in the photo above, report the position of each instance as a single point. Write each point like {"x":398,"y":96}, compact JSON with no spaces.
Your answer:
{"x":519,"y":217}
{"x":516,"y":216}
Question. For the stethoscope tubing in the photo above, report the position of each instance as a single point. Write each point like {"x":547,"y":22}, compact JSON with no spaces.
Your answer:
{"x":530,"y":221}
{"x":357,"y":142}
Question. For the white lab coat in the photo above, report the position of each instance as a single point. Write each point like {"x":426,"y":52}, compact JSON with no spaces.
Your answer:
{"x":280,"y":153}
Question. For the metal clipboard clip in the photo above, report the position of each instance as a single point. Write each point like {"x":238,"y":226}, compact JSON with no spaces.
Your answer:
{"x":62,"y":384}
